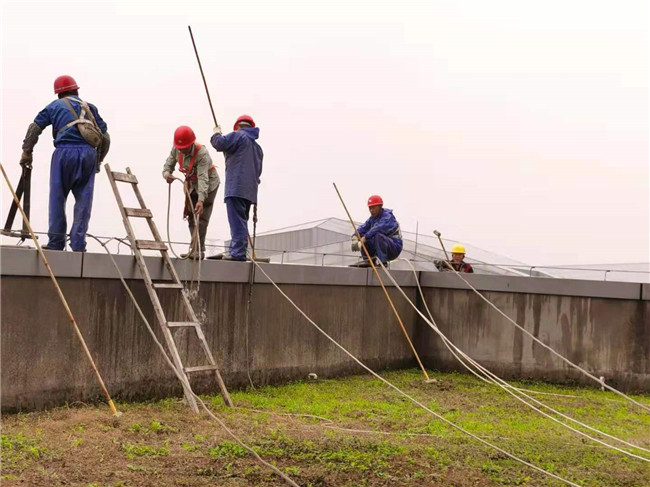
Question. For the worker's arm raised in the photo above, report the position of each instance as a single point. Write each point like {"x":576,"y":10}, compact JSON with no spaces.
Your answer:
{"x":225,"y":143}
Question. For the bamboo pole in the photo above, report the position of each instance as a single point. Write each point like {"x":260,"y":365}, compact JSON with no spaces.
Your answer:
{"x":61,"y":296}
{"x":381,"y":283}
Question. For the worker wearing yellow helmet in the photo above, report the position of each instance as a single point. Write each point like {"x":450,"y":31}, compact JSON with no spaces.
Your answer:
{"x":457,"y":261}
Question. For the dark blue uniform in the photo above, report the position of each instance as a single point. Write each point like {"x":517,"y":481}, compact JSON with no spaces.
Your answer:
{"x":73,"y":169}
{"x":383,"y":236}
{"x":243,"y":170}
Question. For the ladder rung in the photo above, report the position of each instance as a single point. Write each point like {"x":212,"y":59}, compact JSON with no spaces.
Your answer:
{"x":124,"y":177}
{"x":200,"y":368}
{"x":167,"y":285}
{"x":150,"y":245}
{"x":138,"y":212}
{"x":177,"y":324}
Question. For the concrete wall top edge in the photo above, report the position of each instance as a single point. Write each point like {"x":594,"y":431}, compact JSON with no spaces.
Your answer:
{"x":305,"y":274}
{"x":26,"y":262}
{"x":17,"y":261}
{"x":402,"y":277}
{"x":534,"y":285}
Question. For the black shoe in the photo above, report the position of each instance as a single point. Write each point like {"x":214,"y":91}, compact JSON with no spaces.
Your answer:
{"x":45,"y":247}
{"x":231,"y":258}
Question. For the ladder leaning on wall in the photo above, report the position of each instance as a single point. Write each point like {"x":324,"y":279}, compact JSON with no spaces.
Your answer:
{"x":153,"y":287}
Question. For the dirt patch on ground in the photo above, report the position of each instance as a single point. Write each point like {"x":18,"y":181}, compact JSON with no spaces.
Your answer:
{"x":351,"y":432}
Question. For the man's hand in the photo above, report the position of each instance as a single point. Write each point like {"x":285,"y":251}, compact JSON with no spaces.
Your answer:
{"x":198,"y":209}
{"x":169,"y":178}
{"x":363,"y":240}
{"x":26,"y":159}
{"x":355,"y":243}
{"x":217,"y":130}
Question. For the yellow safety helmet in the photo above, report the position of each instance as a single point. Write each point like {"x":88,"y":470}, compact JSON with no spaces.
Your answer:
{"x":458,"y":249}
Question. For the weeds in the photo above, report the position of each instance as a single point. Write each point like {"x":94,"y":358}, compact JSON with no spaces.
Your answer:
{"x":81,"y":447}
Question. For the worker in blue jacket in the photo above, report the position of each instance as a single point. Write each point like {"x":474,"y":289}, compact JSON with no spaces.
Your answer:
{"x":380,"y":234}
{"x":243,"y":170}
{"x":74,"y":161}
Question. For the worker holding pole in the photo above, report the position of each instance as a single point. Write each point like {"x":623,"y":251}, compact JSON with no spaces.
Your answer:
{"x":380,"y":234}
{"x":202,"y":183}
{"x":457,"y":262}
{"x":81,"y":142}
{"x":243,"y":170}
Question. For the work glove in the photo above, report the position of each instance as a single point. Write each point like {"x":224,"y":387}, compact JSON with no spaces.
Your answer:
{"x":217,"y":130}
{"x":441,"y":265}
{"x":355,"y":244}
{"x":98,"y":169}
{"x":26,"y":159}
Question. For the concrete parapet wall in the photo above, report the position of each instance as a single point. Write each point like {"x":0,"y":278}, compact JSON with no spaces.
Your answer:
{"x":605,"y":327}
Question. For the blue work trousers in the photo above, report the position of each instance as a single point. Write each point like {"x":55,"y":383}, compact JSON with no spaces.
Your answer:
{"x":73,"y":169}
{"x":238,"y":213}
{"x":383,"y":247}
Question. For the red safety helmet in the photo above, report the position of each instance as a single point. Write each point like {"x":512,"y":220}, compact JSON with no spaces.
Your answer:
{"x":375,"y":200}
{"x":184,"y":137}
{"x":244,"y":118}
{"x":64,"y":83}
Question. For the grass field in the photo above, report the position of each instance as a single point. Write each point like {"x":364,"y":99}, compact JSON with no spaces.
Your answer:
{"x":365,"y":434}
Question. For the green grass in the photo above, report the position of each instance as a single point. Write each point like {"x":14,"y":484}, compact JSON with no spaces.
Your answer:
{"x":163,"y":440}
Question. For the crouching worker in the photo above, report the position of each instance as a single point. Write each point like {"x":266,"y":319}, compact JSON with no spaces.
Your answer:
{"x":202,"y":182}
{"x":380,"y":234}
{"x":457,"y":261}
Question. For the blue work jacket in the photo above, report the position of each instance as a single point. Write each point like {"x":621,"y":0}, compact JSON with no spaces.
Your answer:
{"x":243,"y":162}
{"x":58,"y":115}
{"x":385,"y":223}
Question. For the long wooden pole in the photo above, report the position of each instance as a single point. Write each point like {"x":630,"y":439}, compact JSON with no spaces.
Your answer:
{"x":381,"y":283}
{"x":63,"y":300}
{"x":202,"y":75}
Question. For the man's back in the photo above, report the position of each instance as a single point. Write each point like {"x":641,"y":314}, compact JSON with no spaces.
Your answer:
{"x":59,"y":115}
{"x":244,"y":158}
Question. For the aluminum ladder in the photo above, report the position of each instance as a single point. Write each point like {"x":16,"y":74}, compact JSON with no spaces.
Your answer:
{"x":152,"y":287}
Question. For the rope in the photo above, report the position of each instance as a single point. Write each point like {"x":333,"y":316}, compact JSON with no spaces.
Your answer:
{"x":331,"y":424}
{"x":381,"y":283}
{"x":195,"y":245}
{"x":406,"y":395}
{"x":564,"y":359}
{"x":494,"y":379}
{"x":193,"y":241}
{"x":71,"y":317}
{"x":182,"y":379}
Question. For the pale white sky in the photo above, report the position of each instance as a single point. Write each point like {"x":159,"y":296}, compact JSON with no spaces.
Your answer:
{"x":518,"y":127}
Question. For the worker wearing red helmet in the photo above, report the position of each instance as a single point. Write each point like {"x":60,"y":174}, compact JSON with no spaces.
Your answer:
{"x":201,"y":178}
{"x":380,"y":234}
{"x":243,"y":170}
{"x":81,"y":142}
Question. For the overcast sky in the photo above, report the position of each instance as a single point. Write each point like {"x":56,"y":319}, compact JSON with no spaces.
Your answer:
{"x":517,"y":126}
